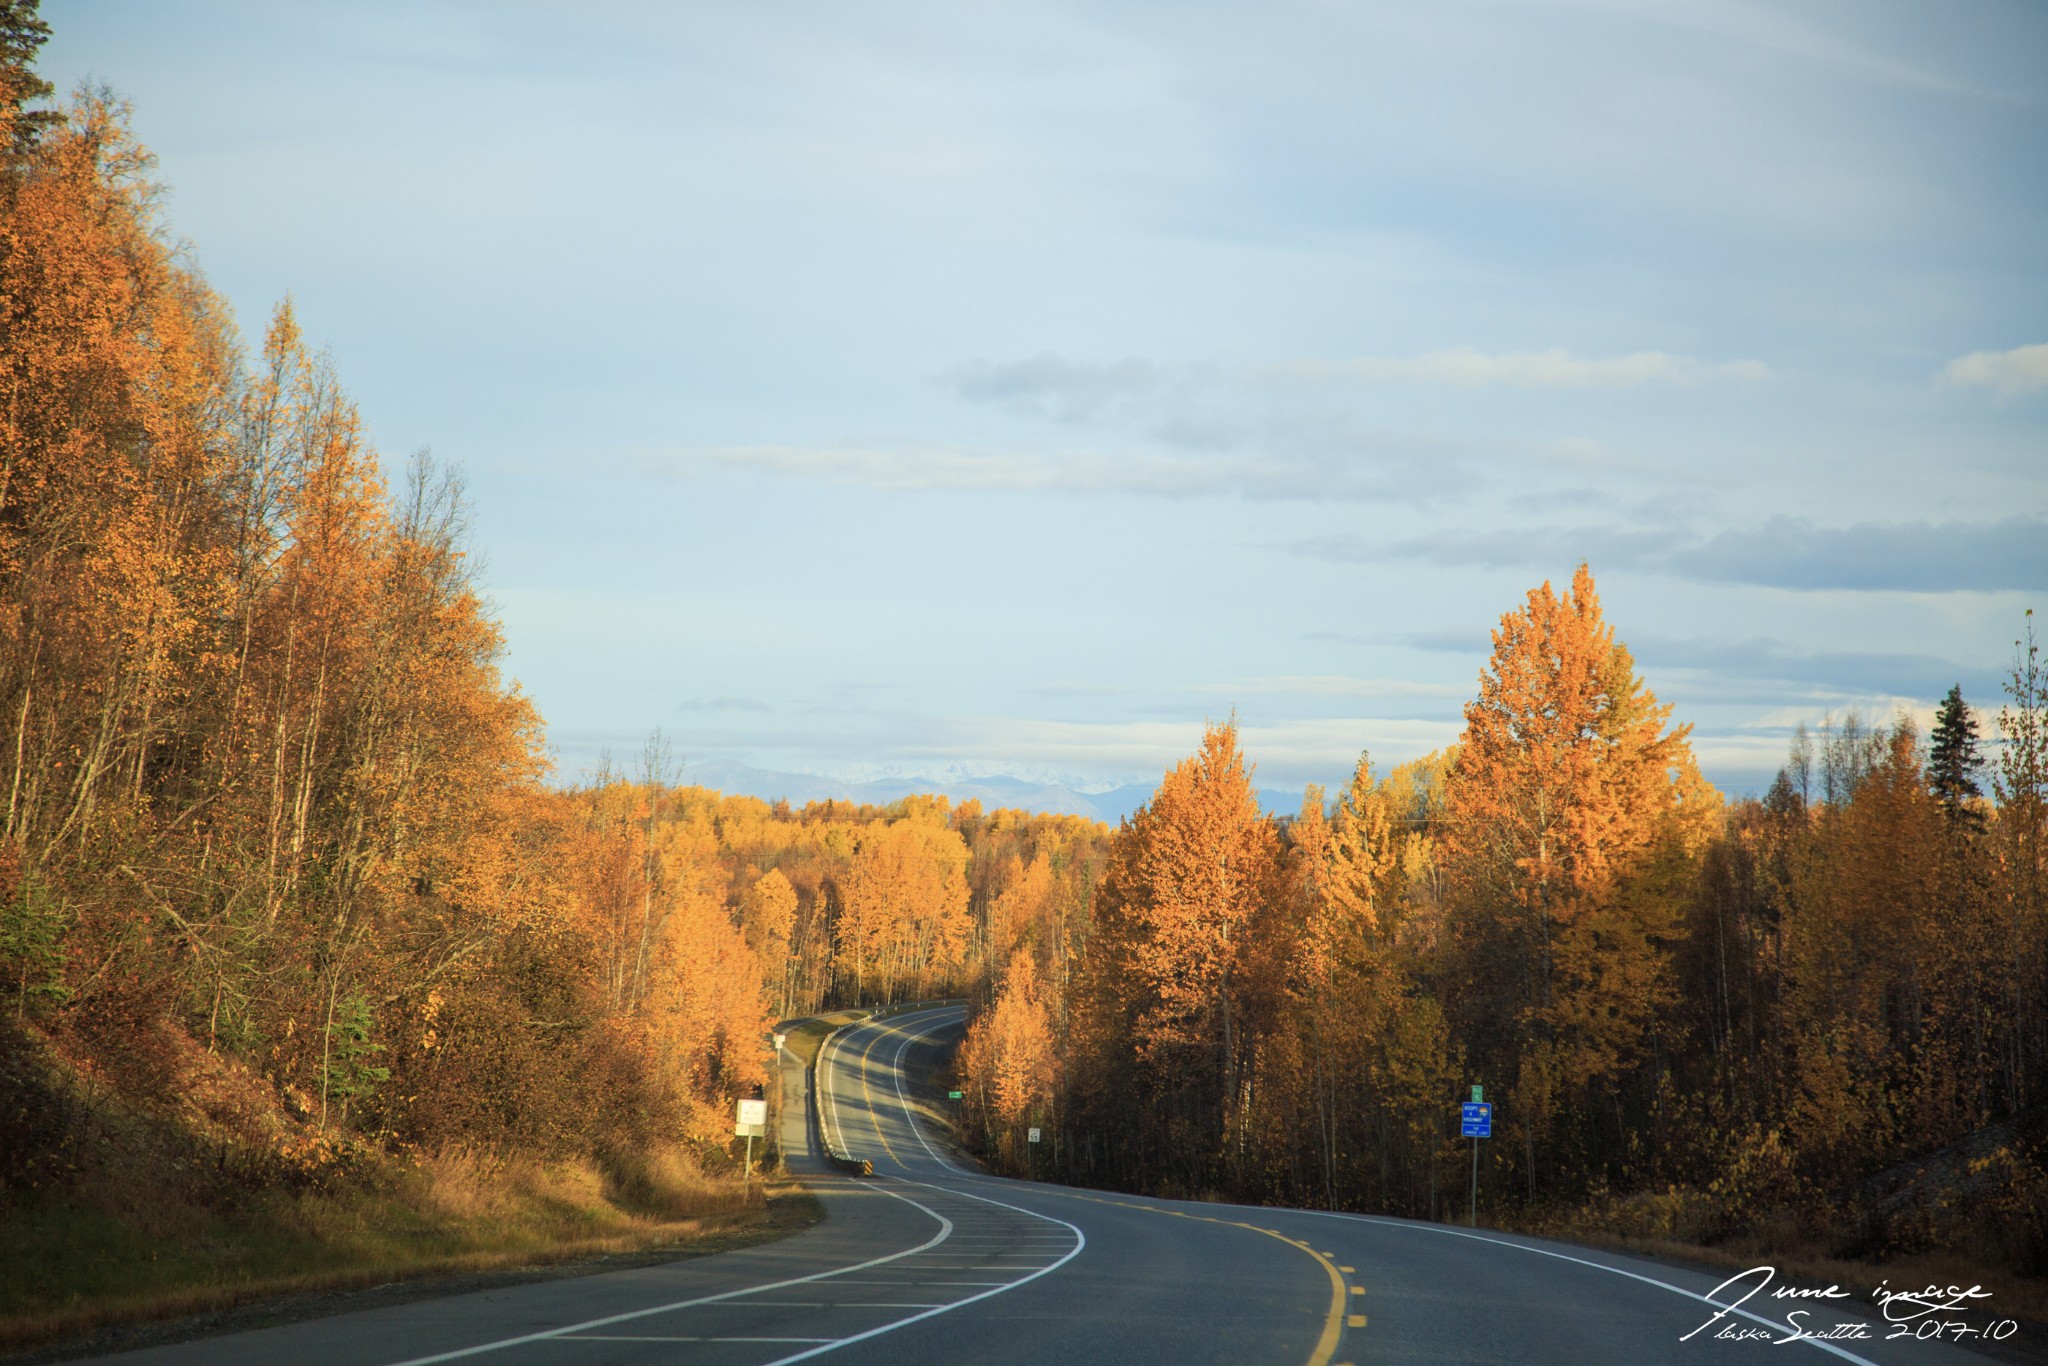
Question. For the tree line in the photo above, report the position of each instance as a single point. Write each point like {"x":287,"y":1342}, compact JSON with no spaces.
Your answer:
{"x":282,"y":869}
{"x":280,"y":863}
{"x":1696,"y":1018}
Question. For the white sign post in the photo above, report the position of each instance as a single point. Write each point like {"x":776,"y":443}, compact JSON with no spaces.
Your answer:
{"x":752,"y":1124}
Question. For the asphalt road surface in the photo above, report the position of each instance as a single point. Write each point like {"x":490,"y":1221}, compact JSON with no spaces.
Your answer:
{"x":929,"y":1260}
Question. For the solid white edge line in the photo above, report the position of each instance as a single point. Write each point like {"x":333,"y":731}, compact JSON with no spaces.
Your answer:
{"x":1759,"y":1319}
{"x":1080,"y":1242}
{"x":835,"y":1140}
{"x":1383,"y":1222}
{"x":830,"y":1108}
{"x":897,"y":1064}
{"x":945,"y":1229}
{"x":1080,"y":1238}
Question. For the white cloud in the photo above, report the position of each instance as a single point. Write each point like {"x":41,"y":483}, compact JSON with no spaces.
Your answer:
{"x":1286,"y":751}
{"x":1781,"y":552}
{"x":1771,"y":30}
{"x":1330,"y":685}
{"x":1050,"y":385}
{"x":2021,"y":370}
{"x":964,"y":469}
{"x":1351,"y":475}
{"x":1556,"y":368}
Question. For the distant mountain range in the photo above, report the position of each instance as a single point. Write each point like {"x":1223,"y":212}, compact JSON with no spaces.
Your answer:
{"x":993,"y":791}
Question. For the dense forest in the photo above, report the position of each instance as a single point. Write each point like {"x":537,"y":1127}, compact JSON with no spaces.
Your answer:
{"x":281,"y":868}
{"x":286,"y":879}
{"x":1822,"y":1014}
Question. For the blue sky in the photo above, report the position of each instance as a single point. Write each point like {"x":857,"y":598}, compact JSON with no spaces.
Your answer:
{"x":856,"y":389}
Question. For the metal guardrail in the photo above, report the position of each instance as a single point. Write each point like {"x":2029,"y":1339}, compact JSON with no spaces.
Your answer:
{"x":829,"y":1136}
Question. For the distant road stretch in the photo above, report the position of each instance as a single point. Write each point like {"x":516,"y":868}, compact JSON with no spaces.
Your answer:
{"x":930,"y":1260}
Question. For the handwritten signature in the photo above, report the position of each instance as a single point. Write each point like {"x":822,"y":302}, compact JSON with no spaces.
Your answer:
{"x":1929,"y":1313}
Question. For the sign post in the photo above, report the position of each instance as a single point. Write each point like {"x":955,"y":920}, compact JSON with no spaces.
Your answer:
{"x":1475,"y":1121}
{"x":752,"y":1124}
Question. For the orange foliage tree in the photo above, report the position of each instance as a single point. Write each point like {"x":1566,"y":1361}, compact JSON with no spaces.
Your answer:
{"x":905,"y":922}
{"x":1010,"y":1063}
{"x":1571,"y":813}
{"x":1186,"y":966}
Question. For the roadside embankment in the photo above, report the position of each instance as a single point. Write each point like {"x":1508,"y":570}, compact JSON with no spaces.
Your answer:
{"x":137,"y":1212}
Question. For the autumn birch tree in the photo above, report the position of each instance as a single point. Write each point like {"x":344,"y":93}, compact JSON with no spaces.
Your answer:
{"x":1569,"y":809}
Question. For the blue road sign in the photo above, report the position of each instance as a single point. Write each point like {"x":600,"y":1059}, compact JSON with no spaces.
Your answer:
{"x":1478,"y":1120}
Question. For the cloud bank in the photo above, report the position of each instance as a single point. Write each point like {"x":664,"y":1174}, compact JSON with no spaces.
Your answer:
{"x":2022,"y":370}
{"x":1049,"y":385}
{"x":1468,"y":368}
{"x":2010,"y":554}
{"x":1365,"y":470}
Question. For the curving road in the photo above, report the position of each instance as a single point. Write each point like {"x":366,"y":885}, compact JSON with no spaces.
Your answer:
{"x":930,"y":1260}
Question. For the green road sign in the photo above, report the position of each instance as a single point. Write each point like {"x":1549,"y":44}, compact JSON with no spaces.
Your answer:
{"x":954,"y":1095}
{"x":1478,"y":1094}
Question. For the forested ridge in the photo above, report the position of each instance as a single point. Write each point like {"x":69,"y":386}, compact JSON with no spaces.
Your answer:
{"x":1817,"y":1017}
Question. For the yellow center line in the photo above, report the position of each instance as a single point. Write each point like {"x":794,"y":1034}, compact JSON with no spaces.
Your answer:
{"x":869,"y":1095}
{"x":1333,"y":1322}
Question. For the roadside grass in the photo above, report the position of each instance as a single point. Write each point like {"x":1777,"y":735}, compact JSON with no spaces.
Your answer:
{"x":1677,"y":1225}
{"x":70,"y":1264}
{"x":154,"y":1217}
{"x":803,"y":1038}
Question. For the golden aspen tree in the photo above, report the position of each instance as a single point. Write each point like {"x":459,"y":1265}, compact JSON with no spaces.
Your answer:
{"x":1567,"y":792}
{"x":1863,"y":934}
{"x":906,"y":921}
{"x":1008,"y":1060}
{"x":768,"y":917}
{"x":1185,"y":950}
{"x":1017,"y":914}
{"x":1372,"y":1043}
{"x":2019,"y":782}
{"x":267,"y":800}
{"x":706,"y":1014}
{"x":1362,"y":852}
{"x":1326,"y":1012}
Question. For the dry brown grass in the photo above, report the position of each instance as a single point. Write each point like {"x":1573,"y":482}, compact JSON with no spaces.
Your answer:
{"x":1667,"y":1226}
{"x":71,"y":1265}
{"x":806,"y":1036}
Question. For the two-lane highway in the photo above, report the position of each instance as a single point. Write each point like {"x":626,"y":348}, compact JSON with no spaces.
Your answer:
{"x":1180,"y":1281}
{"x":930,"y":1260}
{"x":1162,"y":1283}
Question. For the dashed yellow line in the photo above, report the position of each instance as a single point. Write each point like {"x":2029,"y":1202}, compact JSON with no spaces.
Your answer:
{"x":1334,"y":1322}
{"x":869,"y":1095}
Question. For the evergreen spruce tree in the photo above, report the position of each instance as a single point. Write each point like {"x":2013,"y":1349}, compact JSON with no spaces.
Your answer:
{"x":1953,"y":760}
{"x":22,"y":35}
